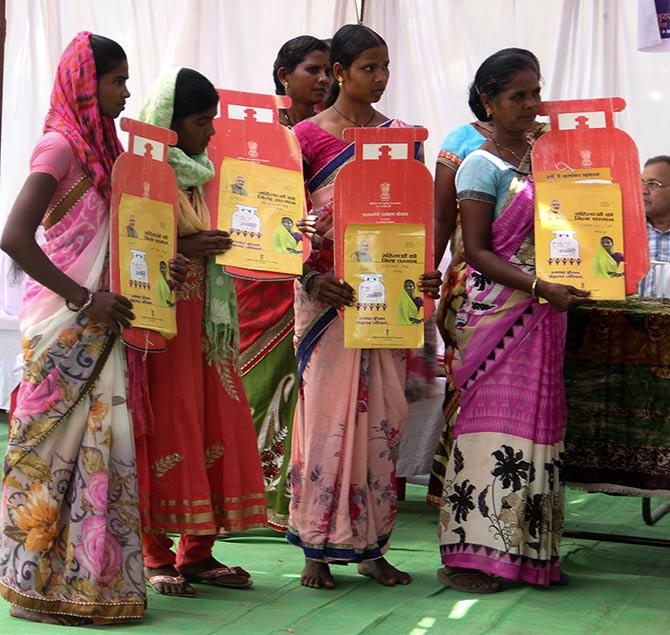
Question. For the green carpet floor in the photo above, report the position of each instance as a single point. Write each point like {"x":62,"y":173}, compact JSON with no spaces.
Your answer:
{"x":614,"y":588}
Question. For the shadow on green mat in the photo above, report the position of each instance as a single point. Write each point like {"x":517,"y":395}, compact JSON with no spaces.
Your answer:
{"x":614,"y":589}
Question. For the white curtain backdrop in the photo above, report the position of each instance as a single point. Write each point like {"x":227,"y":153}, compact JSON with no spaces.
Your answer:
{"x":586,"y":48}
{"x":233,"y":42}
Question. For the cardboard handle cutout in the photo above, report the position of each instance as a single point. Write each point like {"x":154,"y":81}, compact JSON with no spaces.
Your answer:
{"x":383,"y":235}
{"x":257,"y":194}
{"x":143,"y":218}
{"x":583,"y":136}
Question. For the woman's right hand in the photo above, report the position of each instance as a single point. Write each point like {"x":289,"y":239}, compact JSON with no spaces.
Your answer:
{"x":111,"y":309}
{"x":561,"y":296}
{"x":211,"y":242}
{"x":330,"y":290}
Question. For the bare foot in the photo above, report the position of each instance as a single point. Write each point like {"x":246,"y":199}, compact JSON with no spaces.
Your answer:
{"x":468,"y":580}
{"x":47,"y":618}
{"x":168,"y":581}
{"x":383,"y":572}
{"x":316,"y":575}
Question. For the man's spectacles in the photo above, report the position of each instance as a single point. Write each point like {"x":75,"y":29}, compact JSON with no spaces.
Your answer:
{"x":652,"y":185}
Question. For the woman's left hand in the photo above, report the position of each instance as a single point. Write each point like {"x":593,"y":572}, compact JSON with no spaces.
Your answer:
{"x":179,"y":270}
{"x":313,"y":225}
{"x":430,"y":283}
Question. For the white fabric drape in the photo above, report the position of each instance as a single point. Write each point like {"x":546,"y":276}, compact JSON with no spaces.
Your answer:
{"x":233,"y":42}
{"x":586,"y":48}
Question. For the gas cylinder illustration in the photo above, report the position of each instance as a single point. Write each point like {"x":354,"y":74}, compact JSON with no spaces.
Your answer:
{"x":248,"y":130}
{"x":143,"y":174}
{"x":371,"y":292}
{"x":564,"y":248}
{"x":139,"y":269}
{"x":583,"y":135}
{"x":245,"y":221}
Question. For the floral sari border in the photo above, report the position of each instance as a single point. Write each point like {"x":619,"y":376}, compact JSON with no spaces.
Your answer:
{"x":129,"y":610}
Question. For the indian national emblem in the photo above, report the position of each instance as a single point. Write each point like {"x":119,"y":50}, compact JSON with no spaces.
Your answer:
{"x":385,"y":191}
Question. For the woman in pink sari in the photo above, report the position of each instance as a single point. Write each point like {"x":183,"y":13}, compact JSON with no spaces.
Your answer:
{"x":502,"y":504}
{"x":351,"y":405}
{"x":70,"y":537}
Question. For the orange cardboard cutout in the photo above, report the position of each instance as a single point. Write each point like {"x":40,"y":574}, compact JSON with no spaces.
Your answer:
{"x":583,"y":136}
{"x":258,"y":192}
{"x":143,"y":232}
{"x":383,"y":235}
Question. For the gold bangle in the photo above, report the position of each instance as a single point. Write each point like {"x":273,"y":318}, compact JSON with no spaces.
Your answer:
{"x":533,"y":287}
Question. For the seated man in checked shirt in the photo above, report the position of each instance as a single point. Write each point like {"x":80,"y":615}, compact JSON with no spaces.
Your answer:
{"x":656,"y":195}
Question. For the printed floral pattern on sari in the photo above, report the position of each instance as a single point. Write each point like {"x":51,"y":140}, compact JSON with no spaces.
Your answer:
{"x":53,"y":382}
{"x":517,"y":512}
{"x":166,"y":463}
{"x":194,"y":286}
{"x":80,"y":561}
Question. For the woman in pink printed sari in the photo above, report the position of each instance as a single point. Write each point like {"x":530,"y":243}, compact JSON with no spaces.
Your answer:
{"x":351,"y":404}
{"x":502,"y":504}
{"x":70,"y":544}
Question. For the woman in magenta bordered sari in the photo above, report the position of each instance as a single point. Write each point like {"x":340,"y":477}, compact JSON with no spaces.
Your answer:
{"x":502,"y":504}
{"x":351,"y":405}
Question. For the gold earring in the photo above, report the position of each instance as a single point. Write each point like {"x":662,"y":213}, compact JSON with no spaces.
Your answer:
{"x":340,"y":82}
{"x":489,"y":112}
{"x":285,"y":86}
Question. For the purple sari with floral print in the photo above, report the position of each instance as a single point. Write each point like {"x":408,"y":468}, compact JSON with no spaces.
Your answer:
{"x":502,"y":505}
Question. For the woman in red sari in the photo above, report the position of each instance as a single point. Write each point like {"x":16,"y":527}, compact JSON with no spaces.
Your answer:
{"x":267,"y":358}
{"x":199,"y":468}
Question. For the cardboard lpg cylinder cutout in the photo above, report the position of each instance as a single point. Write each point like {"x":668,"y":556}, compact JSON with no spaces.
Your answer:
{"x":383,"y":234}
{"x":258,"y":192}
{"x":143,"y":233}
{"x":590,"y":229}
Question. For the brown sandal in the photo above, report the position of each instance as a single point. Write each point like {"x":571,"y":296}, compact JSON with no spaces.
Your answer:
{"x":187,"y":591}
{"x":450,"y":577}
{"x":229,"y":577}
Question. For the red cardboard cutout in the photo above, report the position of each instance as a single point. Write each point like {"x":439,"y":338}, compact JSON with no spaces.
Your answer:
{"x":583,"y":135}
{"x":384,"y":184}
{"x":248,"y":129}
{"x":142,"y":171}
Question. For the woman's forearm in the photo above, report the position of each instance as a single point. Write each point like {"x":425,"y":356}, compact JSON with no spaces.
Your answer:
{"x":35,"y":263}
{"x":18,"y":238}
{"x":497,"y":270}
